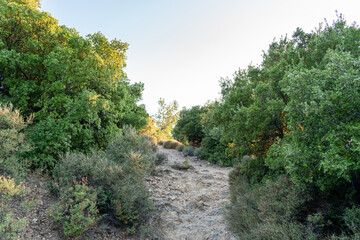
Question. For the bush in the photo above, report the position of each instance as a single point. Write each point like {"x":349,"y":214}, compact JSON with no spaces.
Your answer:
{"x":188,"y":151}
{"x":352,"y":220}
{"x":180,"y":148}
{"x":118,"y":176}
{"x":265,"y":211}
{"x":198,"y":152}
{"x":171,"y":144}
{"x":189,"y":126}
{"x":184,"y":166}
{"x":160,"y":143}
{"x":11,"y":199}
{"x":76,"y":211}
{"x":160,"y":158}
{"x":213,"y":151}
{"x":127,"y":144}
{"x":12,"y":141}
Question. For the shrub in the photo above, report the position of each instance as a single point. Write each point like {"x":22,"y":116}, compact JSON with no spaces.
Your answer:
{"x":160,"y":143}
{"x":121,"y":189}
{"x":352,"y":220}
{"x":171,"y":144}
{"x":180,"y":148}
{"x":76,"y":211}
{"x":188,"y":151}
{"x":12,"y":141}
{"x":184,"y":166}
{"x":118,"y":176}
{"x":198,"y":152}
{"x":160,"y":158}
{"x":265,"y":211}
{"x":129,"y":142}
{"x":11,"y":195}
{"x":189,"y":128}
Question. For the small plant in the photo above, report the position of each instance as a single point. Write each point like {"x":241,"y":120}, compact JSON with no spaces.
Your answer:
{"x":180,"y":148}
{"x":198,"y":153}
{"x":11,"y":194}
{"x":76,"y":211}
{"x":188,"y":151}
{"x":160,"y":158}
{"x":184,"y":166}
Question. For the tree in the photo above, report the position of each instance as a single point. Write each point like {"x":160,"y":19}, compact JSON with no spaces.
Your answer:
{"x":166,"y":116}
{"x":323,"y":116}
{"x":189,"y":127}
{"x":75,"y":86}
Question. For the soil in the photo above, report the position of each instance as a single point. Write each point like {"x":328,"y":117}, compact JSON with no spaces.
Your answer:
{"x":190,"y":202}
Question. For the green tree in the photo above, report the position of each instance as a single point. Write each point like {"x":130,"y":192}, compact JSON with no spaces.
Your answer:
{"x":75,"y":86}
{"x":166,"y":116}
{"x":323,"y":146}
{"x":188,"y":128}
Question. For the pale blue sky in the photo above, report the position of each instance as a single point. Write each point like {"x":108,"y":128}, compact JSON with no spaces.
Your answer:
{"x":181,"y":48}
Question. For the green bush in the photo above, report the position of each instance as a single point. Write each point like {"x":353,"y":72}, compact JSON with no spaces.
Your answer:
{"x":180,"y":148}
{"x":171,"y":144}
{"x":160,"y":158}
{"x":12,"y":141}
{"x":351,"y":218}
{"x":267,"y":211}
{"x":118,"y":176}
{"x":121,"y":189}
{"x":189,"y":128}
{"x":76,"y":211}
{"x":128,"y":143}
{"x":11,"y":195}
{"x":198,"y":152}
{"x":188,"y":151}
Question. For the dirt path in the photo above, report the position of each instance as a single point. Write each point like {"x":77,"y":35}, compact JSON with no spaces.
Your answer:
{"x":190,"y":203}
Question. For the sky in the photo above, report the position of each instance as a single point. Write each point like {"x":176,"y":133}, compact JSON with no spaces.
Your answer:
{"x":180,"y":49}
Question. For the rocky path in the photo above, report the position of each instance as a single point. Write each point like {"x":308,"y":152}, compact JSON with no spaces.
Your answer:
{"x":190,"y":203}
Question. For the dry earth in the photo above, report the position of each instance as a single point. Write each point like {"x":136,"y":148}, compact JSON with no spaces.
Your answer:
{"x":190,"y":203}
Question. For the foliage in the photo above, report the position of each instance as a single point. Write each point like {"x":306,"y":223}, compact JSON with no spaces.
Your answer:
{"x":118,"y":176}
{"x":171,"y":144}
{"x":129,"y":143}
{"x":160,"y":158}
{"x":265,"y":211}
{"x":352,"y":220}
{"x":323,"y":119}
{"x":189,"y":128}
{"x":75,"y":86}
{"x":180,"y":148}
{"x":166,"y":117}
{"x":11,"y":193}
{"x":212,"y":147}
{"x":188,"y":151}
{"x":153,"y":131}
{"x":76,"y":210}
{"x":12,"y":141}
{"x":296,"y":116}
{"x":182,"y":166}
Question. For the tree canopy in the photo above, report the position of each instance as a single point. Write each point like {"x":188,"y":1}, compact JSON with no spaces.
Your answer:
{"x":75,"y":86}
